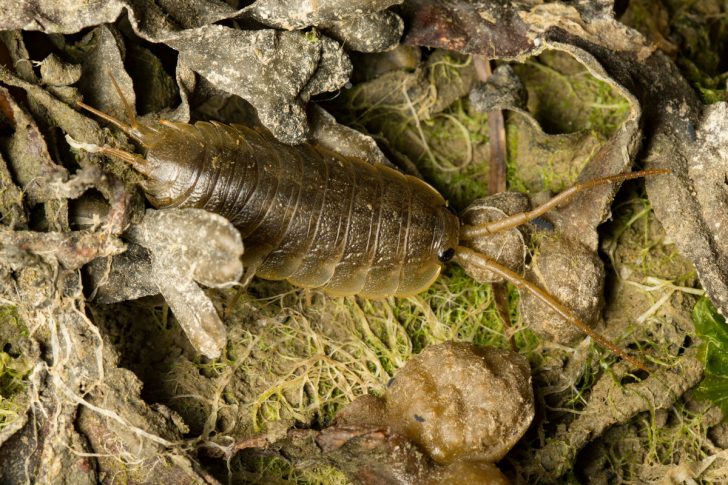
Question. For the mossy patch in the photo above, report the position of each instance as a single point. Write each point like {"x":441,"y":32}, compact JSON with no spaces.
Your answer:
{"x":449,"y":143}
{"x":713,"y":332}
{"x":275,"y":470}
{"x":298,"y":356}
{"x":422,"y":117}
{"x":694,"y":33}
{"x":565,"y":98}
{"x":15,"y":365}
{"x":541,"y":162}
{"x":650,"y":296}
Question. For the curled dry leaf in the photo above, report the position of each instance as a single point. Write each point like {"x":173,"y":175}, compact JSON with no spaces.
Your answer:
{"x":102,"y":54}
{"x":507,"y":247}
{"x":707,"y":169}
{"x":373,"y":32}
{"x":299,"y":14}
{"x":55,"y":72}
{"x":188,"y":245}
{"x":12,"y":213}
{"x":199,"y":245}
{"x":283,"y":70}
{"x":342,"y":139}
{"x":28,"y":158}
{"x":572,"y":273}
{"x":66,"y":118}
{"x":154,"y":20}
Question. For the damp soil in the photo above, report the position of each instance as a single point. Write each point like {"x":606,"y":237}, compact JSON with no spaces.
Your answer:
{"x":97,"y":372}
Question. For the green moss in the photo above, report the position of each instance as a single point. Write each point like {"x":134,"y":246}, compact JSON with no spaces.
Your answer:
{"x":656,"y":444}
{"x":456,"y":160}
{"x":454,"y":308}
{"x":565,"y":98}
{"x":641,"y":241}
{"x":275,"y":470}
{"x":515,"y":182}
{"x":301,"y":355}
{"x":711,"y":327}
{"x":313,"y":36}
{"x":14,"y":366}
{"x":694,"y":33}
{"x":422,"y":118}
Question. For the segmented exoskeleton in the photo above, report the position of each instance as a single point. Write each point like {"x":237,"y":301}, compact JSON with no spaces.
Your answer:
{"x":320,"y":219}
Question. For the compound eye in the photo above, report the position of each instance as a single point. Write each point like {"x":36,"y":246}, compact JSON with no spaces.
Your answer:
{"x":446,"y":255}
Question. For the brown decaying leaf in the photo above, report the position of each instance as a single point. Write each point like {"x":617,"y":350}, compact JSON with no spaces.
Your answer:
{"x":285,"y":71}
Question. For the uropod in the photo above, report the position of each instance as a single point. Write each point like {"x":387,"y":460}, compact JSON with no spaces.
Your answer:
{"x":319,"y":219}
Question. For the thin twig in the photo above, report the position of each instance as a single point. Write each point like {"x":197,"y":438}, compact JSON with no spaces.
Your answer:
{"x":496,"y":183}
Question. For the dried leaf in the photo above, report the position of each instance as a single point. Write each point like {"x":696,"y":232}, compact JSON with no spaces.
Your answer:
{"x":493,"y":29}
{"x":196,"y":244}
{"x":374,"y":32}
{"x":707,"y":166}
{"x":28,"y":158}
{"x":342,"y":139}
{"x":188,"y":245}
{"x":102,"y":57}
{"x":71,"y":249}
{"x":282,"y":70}
{"x":153,"y":20}
{"x":12,"y":212}
{"x":55,"y":72}
{"x":299,"y":14}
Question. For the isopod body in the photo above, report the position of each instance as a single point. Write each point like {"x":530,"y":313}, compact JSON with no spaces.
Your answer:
{"x":322,"y":220}
{"x":306,"y":213}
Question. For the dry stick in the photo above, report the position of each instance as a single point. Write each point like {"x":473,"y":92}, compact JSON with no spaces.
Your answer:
{"x":465,"y":256}
{"x":496,"y":184}
{"x":496,"y":134}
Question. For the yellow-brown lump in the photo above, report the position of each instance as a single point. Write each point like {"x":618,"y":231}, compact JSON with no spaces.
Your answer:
{"x":462,"y":402}
{"x":468,"y":473}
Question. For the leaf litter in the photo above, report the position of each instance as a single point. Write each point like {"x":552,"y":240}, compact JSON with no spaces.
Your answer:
{"x":114,"y":390}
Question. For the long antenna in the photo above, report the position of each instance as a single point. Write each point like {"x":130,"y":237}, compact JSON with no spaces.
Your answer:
{"x":465,"y":255}
{"x":138,"y":162}
{"x":480,"y":230}
{"x":141,"y":133}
